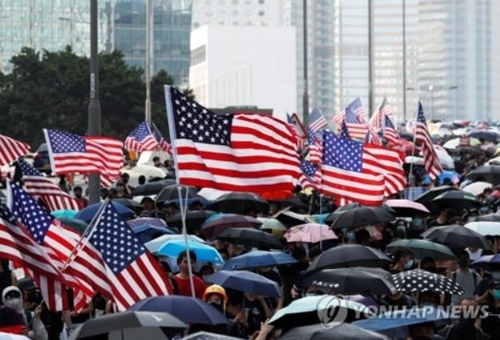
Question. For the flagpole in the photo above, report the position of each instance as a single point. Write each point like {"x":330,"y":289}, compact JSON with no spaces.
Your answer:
{"x":412,"y":152}
{"x":183,"y":207}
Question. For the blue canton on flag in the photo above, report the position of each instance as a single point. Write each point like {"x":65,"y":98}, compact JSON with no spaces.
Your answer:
{"x":141,"y":132}
{"x":27,"y":169}
{"x":351,"y":117}
{"x":342,"y":153}
{"x":344,"y":133}
{"x":65,"y":142}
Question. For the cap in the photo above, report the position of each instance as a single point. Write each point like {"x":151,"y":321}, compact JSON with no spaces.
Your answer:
{"x":26,"y":284}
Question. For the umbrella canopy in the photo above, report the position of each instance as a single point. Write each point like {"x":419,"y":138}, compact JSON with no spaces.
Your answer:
{"x":75,"y":224}
{"x":429,"y":195}
{"x":477,"y":188}
{"x":349,"y":255}
{"x":240,"y":203}
{"x":485,"y":228}
{"x":258,"y":259}
{"x":456,"y":236}
{"x":486,"y":173}
{"x":455,"y":142}
{"x":488,"y":136}
{"x":310,"y":233}
{"x":88,"y":213}
{"x":152,"y":188}
{"x":346,"y":207}
{"x":487,"y":262}
{"x":157,"y":243}
{"x":208,"y":336}
{"x":220,"y":222}
{"x":407,"y":208}
{"x":363,"y":216}
{"x":290,"y":219}
{"x":130,"y":203}
{"x":418,"y":280}
{"x":351,"y":281}
{"x":204,"y":253}
{"x":331,"y":331}
{"x":171,"y":193}
{"x":155,"y":222}
{"x":311,"y":310}
{"x":185,"y":308}
{"x":456,"y":199}
{"x":147,"y":232}
{"x":271,"y":224}
{"x":245,"y":281}
{"x":194,"y":219}
{"x":250,"y":238}
{"x":423,"y":248}
{"x":489,"y":217}
{"x":68,"y":213}
{"x":451,"y":176}
{"x":131,"y":325}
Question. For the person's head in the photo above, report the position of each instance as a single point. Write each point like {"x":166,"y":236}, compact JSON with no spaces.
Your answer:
{"x":468,"y":311}
{"x":113,"y":193}
{"x":77,"y":191}
{"x":404,"y":257}
{"x":120,"y":189}
{"x":235,"y":249}
{"x":422,"y":331}
{"x":428,"y":263}
{"x":156,"y":161}
{"x":30,"y":291}
{"x":165,"y":265}
{"x":362,"y":236}
{"x":429,"y":298}
{"x":444,"y":213}
{"x":417,"y":221}
{"x":12,"y":297}
{"x":314,"y":252}
{"x":463,"y":259}
{"x":216,"y":296}
{"x":182,"y":261}
{"x":206,"y":270}
{"x":62,"y":179}
{"x":148,"y":203}
{"x":125,"y":178}
{"x":141,"y":180}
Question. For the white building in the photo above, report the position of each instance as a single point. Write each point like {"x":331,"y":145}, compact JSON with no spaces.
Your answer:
{"x":244,"y":66}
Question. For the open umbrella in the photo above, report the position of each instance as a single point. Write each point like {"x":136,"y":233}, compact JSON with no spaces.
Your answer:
{"x":477,"y":188}
{"x":258,"y":259}
{"x":185,"y":308}
{"x":77,"y":225}
{"x":418,"y":280}
{"x":346,"y":207}
{"x":487,"y":262}
{"x":152,"y":221}
{"x":194,"y":220}
{"x":310,"y":233}
{"x":152,"y":188}
{"x":171,"y":193}
{"x":363,"y":216}
{"x":349,"y":255}
{"x":332,"y":331}
{"x":407,"y":208}
{"x":204,"y":252}
{"x":157,"y":243}
{"x":485,"y":228}
{"x":486,"y":173}
{"x":250,"y":238}
{"x":88,"y":213}
{"x":423,"y":248}
{"x":130,"y":203}
{"x":68,"y":213}
{"x":488,"y":136}
{"x":456,"y":236}
{"x":273,"y":225}
{"x":240,"y":203}
{"x":429,"y":195}
{"x":147,"y":232}
{"x":245,"y":281}
{"x":290,"y":219}
{"x":220,"y":222}
{"x":489,"y":217}
{"x":351,"y":281}
{"x":456,"y":199}
{"x":208,"y":336}
{"x":131,"y":325}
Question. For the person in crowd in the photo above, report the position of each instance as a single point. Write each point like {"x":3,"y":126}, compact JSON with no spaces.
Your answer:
{"x":113,"y":193}
{"x":5,"y":275}
{"x":236,"y":313}
{"x":141,"y":180}
{"x":183,"y":278}
{"x":205,"y":271}
{"x":466,"y":327}
{"x":362,"y":237}
{"x":224,"y":253}
{"x":12,"y":322}
{"x":73,"y":319}
{"x":63,"y":184}
{"x":298,"y":288}
{"x":403,"y":260}
{"x":441,"y":220}
{"x":149,"y":207}
{"x":397,"y":299}
{"x":429,"y":298}
{"x":80,"y":200}
{"x":235,"y":250}
{"x":423,"y":331}
{"x":489,"y":322}
{"x":428,"y":264}
{"x":257,"y":308}
{"x":124,"y":179}
{"x":417,"y":226}
{"x":465,"y":278}
{"x":120,"y":190}
{"x":273,"y":275}
{"x":157,"y":162}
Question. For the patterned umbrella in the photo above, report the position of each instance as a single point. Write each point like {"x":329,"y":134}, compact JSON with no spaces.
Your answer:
{"x":419,"y":280}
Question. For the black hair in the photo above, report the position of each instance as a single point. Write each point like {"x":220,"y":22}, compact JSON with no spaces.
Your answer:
{"x":314,"y":252}
{"x":77,"y":188}
{"x":398,"y":254}
{"x":183,"y":254}
{"x":362,"y":235}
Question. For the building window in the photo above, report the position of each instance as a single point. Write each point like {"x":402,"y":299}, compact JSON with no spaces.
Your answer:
{"x":198,"y":55}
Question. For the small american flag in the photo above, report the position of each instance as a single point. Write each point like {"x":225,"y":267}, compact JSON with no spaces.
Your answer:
{"x":240,"y":152}
{"x":384,"y":110}
{"x":70,"y":153}
{"x":310,"y":176}
{"x":162,"y":143}
{"x":431,"y":160}
{"x":317,"y":121}
{"x":18,"y":246}
{"x":390,"y":133}
{"x":11,"y":149}
{"x":315,"y":148}
{"x":355,"y":106}
{"x":40,"y":187}
{"x":132,"y":272}
{"x":356,"y":126}
{"x":58,"y":241}
{"x":141,"y":139}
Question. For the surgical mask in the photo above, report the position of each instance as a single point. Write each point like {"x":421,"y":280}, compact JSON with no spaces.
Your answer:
{"x":217,"y":306}
{"x":16,"y":303}
{"x":496,"y":294}
{"x":416,"y":222}
{"x":409,"y":264}
{"x":351,"y":237}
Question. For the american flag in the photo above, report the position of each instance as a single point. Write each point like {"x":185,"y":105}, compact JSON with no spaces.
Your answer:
{"x":344,"y":132}
{"x":310,"y":176}
{"x":356,"y":126}
{"x":141,"y":139}
{"x":295,"y":131}
{"x":355,"y":106}
{"x":132,"y":272}
{"x":390,"y":133}
{"x":240,"y":152}
{"x":11,"y":149}
{"x":384,"y":110}
{"x":70,"y":153}
{"x":162,"y":143}
{"x":58,"y":241}
{"x":315,"y":148}
{"x":18,"y":246}
{"x":388,"y":163}
{"x":317,"y":121}
{"x":346,"y":172}
{"x":431,"y":160}
{"x":40,"y":187}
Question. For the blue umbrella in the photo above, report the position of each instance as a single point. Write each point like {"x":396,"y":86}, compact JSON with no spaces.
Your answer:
{"x":487,"y":262}
{"x":450,"y":175}
{"x":68,"y":213}
{"x":146,"y":232}
{"x":185,"y":308}
{"x":258,"y":258}
{"x":245,"y":281}
{"x":395,"y":324}
{"x":88,"y":213}
{"x":204,"y":253}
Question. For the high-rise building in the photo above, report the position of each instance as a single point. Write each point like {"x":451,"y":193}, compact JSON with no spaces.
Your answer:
{"x":47,"y":25}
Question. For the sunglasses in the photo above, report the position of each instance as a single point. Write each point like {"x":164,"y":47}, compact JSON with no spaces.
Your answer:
{"x":12,"y":295}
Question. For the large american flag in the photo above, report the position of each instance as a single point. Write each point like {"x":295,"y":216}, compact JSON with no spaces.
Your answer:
{"x":58,"y":241}
{"x":388,"y":163}
{"x":317,"y":121}
{"x":315,"y":148}
{"x":299,"y":139}
{"x":355,"y":106}
{"x":70,"y":153}
{"x":18,"y":246}
{"x":347,"y":173}
{"x":11,"y":149}
{"x":40,"y":187}
{"x":310,"y":176}
{"x":132,"y":272}
{"x":240,"y":152}
{"x":431,"y":160}
{"x":141,"y":139}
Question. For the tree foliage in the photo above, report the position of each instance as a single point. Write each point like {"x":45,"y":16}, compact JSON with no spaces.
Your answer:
{"x":51,"y":90}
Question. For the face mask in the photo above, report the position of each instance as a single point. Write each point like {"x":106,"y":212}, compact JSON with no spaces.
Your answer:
{"x":496,"y":294}
{"x":351,"y":237}
{"x":409,"y":264}
{"x":16,"y":303}
{"x":416,"y":222}
{"x":217,"y":306}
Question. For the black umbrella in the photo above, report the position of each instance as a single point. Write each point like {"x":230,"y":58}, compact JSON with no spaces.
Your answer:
{"x":208,"y":336}
{"x":363,"y":216}
{"x":291,"y":219}
{"x":422,"y":248}
{"x":194,"y":220}
{"x":250,"y":238}
{"x":294,"y":203}
{"x":488,"y":136}
{"x":240,"y":203}
{"x":152,"y":188}
{"x":419,"y":280}
{"x":351,"y":281}
{"x":333,"y":216}
{"x":349,"y":255}
{"x":171,"y":193}
{"x":221,"y":222}
{"x":457,"y":200}
{"x":488,"y":218}
{"x":487,"y":173}
{"x":131,"y":325}
{"x":131,"y":204}
{"x":429,"y":195}
{"x":456,"y":236}
{"x":470,"y":150}
{"x":339,"y":330}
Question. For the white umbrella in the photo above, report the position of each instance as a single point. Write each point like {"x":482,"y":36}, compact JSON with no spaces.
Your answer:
{"x":211,"y":194}
{"x":149,"y":171}
{"x":477,"y":188}
{"x":485,"y":228}
{"x":452,"y":144}
{"x":445,"y":159}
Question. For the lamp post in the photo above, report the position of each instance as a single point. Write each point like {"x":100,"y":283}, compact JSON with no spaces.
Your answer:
{"x":305,"y":98}
{"x":149,"y":57}
{"x":404,"y":60}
